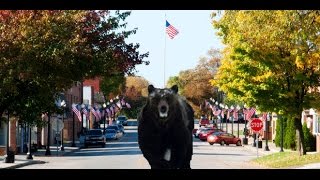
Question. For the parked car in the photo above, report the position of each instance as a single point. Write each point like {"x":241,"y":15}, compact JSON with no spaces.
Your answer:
{"x":223,"y":138}
{"x":196,"y":135}
{"x":204,"y":121}
{"x":120,"y":126}
{"x":94,"y":137}
{"x":117,"y":129}
{"x":111,"y":134}
{"x":205,"y":133}
{"x":122,"y":120}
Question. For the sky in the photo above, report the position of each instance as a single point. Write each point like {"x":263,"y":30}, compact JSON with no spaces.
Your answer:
{"x":170,"y":56}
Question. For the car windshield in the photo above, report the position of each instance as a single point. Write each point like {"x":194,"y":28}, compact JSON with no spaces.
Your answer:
{"x":122,"y":118}
{"x":110,"y":131}
{"x":113,"y":127}
{"x":94,"y":132}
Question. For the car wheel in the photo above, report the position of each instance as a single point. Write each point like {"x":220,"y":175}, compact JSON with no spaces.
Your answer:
{"x":238,"y":143}
{"x":222,"y":143}
{"x":211,"y":144}
{"x":103,"y":145}
{"x":85,"y":145}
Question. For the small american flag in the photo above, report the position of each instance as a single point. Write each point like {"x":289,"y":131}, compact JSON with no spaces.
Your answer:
{"x":76,"y":111}
{"x":171,"y":31}
{"x":250,"y":113}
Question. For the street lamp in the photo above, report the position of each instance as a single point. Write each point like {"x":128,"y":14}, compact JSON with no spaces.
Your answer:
{"x":245,"y":139}
{"x":48,"y":153}
{"x":267,"y":132}
{"x":29,"y":155}
{"x":280,"y":118}
{"x":222,"y":107}
{"x":73,"y":142}
{"x":82,"y":107}
{"x":63,"y":106}
{"x":238,"y":108}
{"x":104,"y":117}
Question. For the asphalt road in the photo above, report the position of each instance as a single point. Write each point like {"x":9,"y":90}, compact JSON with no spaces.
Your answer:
{"x":125,"y":154}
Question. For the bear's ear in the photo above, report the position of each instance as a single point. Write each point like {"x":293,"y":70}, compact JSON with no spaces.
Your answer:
{"x":150,"y":89}
{"x":174,"y":88}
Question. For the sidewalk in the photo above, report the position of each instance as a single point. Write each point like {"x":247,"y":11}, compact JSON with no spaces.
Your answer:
{"x":261,"y":151}
{"x":38,"y":157}
{"x":274,"y":149}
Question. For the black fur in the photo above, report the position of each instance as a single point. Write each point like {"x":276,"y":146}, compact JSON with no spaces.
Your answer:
{"x":157,"y":134}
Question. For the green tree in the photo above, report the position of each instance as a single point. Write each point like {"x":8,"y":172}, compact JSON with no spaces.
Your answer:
{"x":279,"y":130}
{"x":271,"y":61}
{"x":289,"y":136}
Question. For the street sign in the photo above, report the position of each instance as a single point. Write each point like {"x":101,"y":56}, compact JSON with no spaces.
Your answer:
{"x":57,"y":124}
{"x":256,"y":124}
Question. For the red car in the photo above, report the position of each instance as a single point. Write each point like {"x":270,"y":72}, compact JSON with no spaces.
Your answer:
{"x":204,"y":121}
{"x":206,"y":132}
{"x":224,"y":138}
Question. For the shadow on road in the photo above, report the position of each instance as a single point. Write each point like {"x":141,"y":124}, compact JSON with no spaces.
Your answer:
{"x":222,"y":154}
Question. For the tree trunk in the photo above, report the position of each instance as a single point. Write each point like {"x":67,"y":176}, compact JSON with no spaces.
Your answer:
{"x":299,"y":136}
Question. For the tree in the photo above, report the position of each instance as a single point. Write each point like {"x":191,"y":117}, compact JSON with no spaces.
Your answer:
{"x":53,"y":49}
{"x":194,"y":83}
{"x":271,"y":61}
{"x":289,"y":136}
{"x":136,"y":93}
{"x":136,"y":86}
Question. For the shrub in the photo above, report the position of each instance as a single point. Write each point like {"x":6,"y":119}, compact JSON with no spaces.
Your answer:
{"x":309,"y":139}
{"x":290,"y":135}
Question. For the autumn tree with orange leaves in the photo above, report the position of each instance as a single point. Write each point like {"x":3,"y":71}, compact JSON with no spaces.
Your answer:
{"x":50,"y":50}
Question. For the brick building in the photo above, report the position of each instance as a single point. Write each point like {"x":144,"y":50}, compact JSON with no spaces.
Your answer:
{"x":17,"y":132}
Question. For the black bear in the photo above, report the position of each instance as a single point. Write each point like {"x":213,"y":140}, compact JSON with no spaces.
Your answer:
{"x":165,"y":127}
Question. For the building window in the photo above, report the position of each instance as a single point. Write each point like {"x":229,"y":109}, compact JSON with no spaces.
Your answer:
{"x":2,"y":134}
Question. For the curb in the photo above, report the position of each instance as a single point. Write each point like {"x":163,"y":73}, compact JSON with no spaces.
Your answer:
{"x":25,"y":164}
{"x":31,"y":162}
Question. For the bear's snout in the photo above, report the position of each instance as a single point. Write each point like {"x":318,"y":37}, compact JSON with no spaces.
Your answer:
{"x":163,"y":109}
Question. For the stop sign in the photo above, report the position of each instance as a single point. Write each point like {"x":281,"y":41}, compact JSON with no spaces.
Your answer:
{"x":256,"y":124}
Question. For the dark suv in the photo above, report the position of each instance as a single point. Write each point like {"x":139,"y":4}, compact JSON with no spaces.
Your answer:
{"x":94,"y":137}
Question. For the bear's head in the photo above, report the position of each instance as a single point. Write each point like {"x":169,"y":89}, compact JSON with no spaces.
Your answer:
{"x":162,"y":102}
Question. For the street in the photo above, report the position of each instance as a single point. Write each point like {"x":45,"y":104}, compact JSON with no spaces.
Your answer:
{"x":125,"y":154}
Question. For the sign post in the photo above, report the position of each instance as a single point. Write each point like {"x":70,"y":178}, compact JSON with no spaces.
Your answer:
{"x":256,"y":125}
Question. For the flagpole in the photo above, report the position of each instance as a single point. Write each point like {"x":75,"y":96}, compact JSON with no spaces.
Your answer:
{"x":164,"y":59}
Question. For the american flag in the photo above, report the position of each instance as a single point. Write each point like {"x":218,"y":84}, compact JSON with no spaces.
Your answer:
{"x":250,"y":113}
{"x":98,"y":113}
{"x":171,"y":31}
{"x":85,"y":112}
{"x":264,"y":116}
{"x":217,"y":112}
{"x":108,"y":112}
{"x":119,"y":104}
{"x":76,"y":111}
{"x":235,"y":114}
{"x":94,"y":112}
